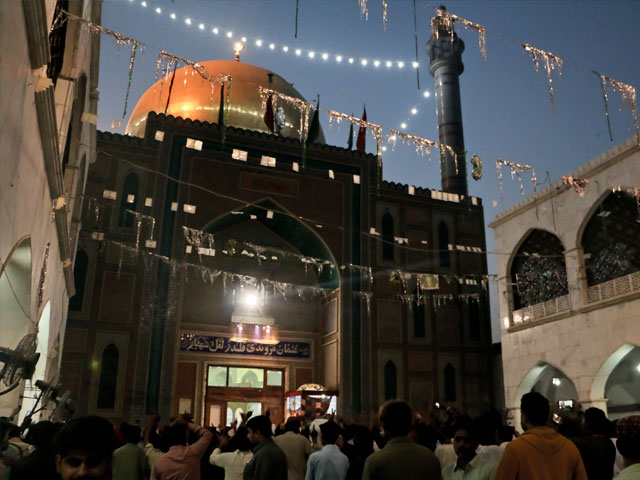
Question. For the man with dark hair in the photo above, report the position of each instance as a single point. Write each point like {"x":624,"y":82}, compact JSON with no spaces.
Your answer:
{"x":84,"y":447}
{"x":329,"y":463}
{"x":269,"y":461}
{"x":493,"y":453}
{"x":401,"y":458}
{"x":295,"y":447}
{"x":540,"y":453}
{"x":468,"y":465}
{"x":596,"y":448}
{"x":628,"y":444}
{"x":182,"y":460}
{"x":130,"y":461}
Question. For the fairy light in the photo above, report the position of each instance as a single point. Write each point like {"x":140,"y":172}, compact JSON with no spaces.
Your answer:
{"x":415,"y":64}
{"x":427,"y":94}
{"x":414,"y":111}
{"x":273,"y":46}
{"x":403,"y":125}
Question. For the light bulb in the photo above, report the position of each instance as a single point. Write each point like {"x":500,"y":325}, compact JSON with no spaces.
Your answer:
{"x":187,"y":21}
{"x":173,"y":16}
{"x":272,"y":46}
{"x":351,"y":60}
{"x":414,"y":111}
{"x":363,"y":62}
{"x":298,"y":51}
{"x":201,"y":26}
{"x":215,"y":30}
{"x":259,"y":43}
{"x":325,"y":56}
{"x":158,"y":10}
{"x":376,"y":63}
{"x":389,"y":64}
{"x":339,"y":58}
{"x":229,"y":34}
{"x":312,"y":54}
{"x":403,"y":125}
{"x":400,"y":64}
{"x":427,"y":94}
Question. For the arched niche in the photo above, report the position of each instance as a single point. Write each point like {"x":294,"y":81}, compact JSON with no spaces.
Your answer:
{"x":549,"y":381}
{"x":388,"y":241}
{"x":108,"y":380}
{"x":450,"y":383}
{"x":444,"y":254}
{"x":538,"y":271}
{"x":610,"y":239}
{"x":128,"y":200}
{"x":390,"y":380}
{"x":618,"y":381}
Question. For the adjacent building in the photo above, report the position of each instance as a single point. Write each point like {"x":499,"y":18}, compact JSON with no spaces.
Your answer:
{"x":49,"y":75}
{"x":570,"y":287}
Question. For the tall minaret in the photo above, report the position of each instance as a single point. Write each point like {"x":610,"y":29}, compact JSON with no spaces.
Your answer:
{"x":445,"y":53}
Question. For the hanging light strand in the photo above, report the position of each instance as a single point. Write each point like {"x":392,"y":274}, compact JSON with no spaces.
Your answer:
{"x":445,"y":20}
{"x":551,"y":62}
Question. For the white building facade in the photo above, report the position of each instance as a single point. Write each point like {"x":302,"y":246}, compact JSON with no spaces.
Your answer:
{"x":48,"y":105}
{"x":569,"y":288}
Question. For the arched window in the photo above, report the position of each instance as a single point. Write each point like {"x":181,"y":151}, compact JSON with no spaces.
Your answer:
{"x":108,"y":377}
{"x":387,"y":237}
{"x":443,"y":245}
{"x":80,"y":268}
{"x":474,"y":319}
{"x":538,"y":271}
{"x":129,"y":188}
{"x":390,"y":381}
{"x":610,"y":239}
{"x":449,"y":383}
{"x":419,"y":328}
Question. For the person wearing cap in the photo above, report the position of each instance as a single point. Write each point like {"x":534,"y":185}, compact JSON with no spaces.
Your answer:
{"x":329,"y":463}
{"x":628,"y":444}
{"x":540,"y":453}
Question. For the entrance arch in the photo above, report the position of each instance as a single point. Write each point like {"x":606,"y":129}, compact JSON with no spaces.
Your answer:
{"x":549,"y":381}
{"x":617,"y":384}
{"x":15,"y":314}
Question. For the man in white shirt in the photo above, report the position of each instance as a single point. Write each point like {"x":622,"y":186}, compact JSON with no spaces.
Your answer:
{"x":296,"y":448}
{"x":493,"y":453}
{"x":329,"y":463}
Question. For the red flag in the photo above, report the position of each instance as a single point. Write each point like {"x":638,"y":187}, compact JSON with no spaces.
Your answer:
{"x":268,"y":115}
{"x":362,"y":133}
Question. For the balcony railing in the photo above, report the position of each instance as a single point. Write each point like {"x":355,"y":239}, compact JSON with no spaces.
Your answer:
{"x":618,"y":287}
{"x":541,"y":311}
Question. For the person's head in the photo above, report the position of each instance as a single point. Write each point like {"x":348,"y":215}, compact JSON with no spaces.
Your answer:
{"x":330,"y":432}
{"x":176,"y":434}
{"x":396,"y":418}
{"x":131,"y":433}
{"x":596,"y":422}
{"x":628,"y":442}
{"x":84,"y":447}
{"x":504,"y":433}
{"x":292,"y":425}
{"x":41,"y":434}
{"x":465,"y":440}
{"x":535,"y":410}
{"x":259,"y":429}
{"x":240,"y":441}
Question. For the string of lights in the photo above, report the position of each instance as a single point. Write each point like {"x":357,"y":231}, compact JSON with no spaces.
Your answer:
{"x":291,"y":51}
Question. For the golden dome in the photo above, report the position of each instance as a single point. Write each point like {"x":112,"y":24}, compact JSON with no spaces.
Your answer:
{"x":196,"y":99}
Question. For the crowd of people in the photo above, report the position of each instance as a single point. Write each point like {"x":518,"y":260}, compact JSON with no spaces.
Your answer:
{"x":555,"y":445}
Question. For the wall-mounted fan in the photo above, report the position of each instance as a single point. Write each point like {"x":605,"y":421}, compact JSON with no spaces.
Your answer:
{"x":63,"y":406}
{"x":48,"y":392}
{"x":18,"y":364}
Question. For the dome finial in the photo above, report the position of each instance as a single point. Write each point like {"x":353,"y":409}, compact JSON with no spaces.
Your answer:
{"x":237,"y":48}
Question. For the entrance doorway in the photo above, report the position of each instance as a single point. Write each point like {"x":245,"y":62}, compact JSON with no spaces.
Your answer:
{"x":232,"y":390}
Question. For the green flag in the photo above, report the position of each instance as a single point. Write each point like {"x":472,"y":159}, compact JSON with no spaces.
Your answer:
{"x":314,"y":129}
{"x":350,"y":140}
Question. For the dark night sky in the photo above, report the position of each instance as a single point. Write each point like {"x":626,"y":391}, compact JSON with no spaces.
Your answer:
{"x":506,"y":109}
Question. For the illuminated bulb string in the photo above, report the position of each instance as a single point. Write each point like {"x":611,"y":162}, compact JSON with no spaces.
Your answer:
{"x":299,"y":52}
